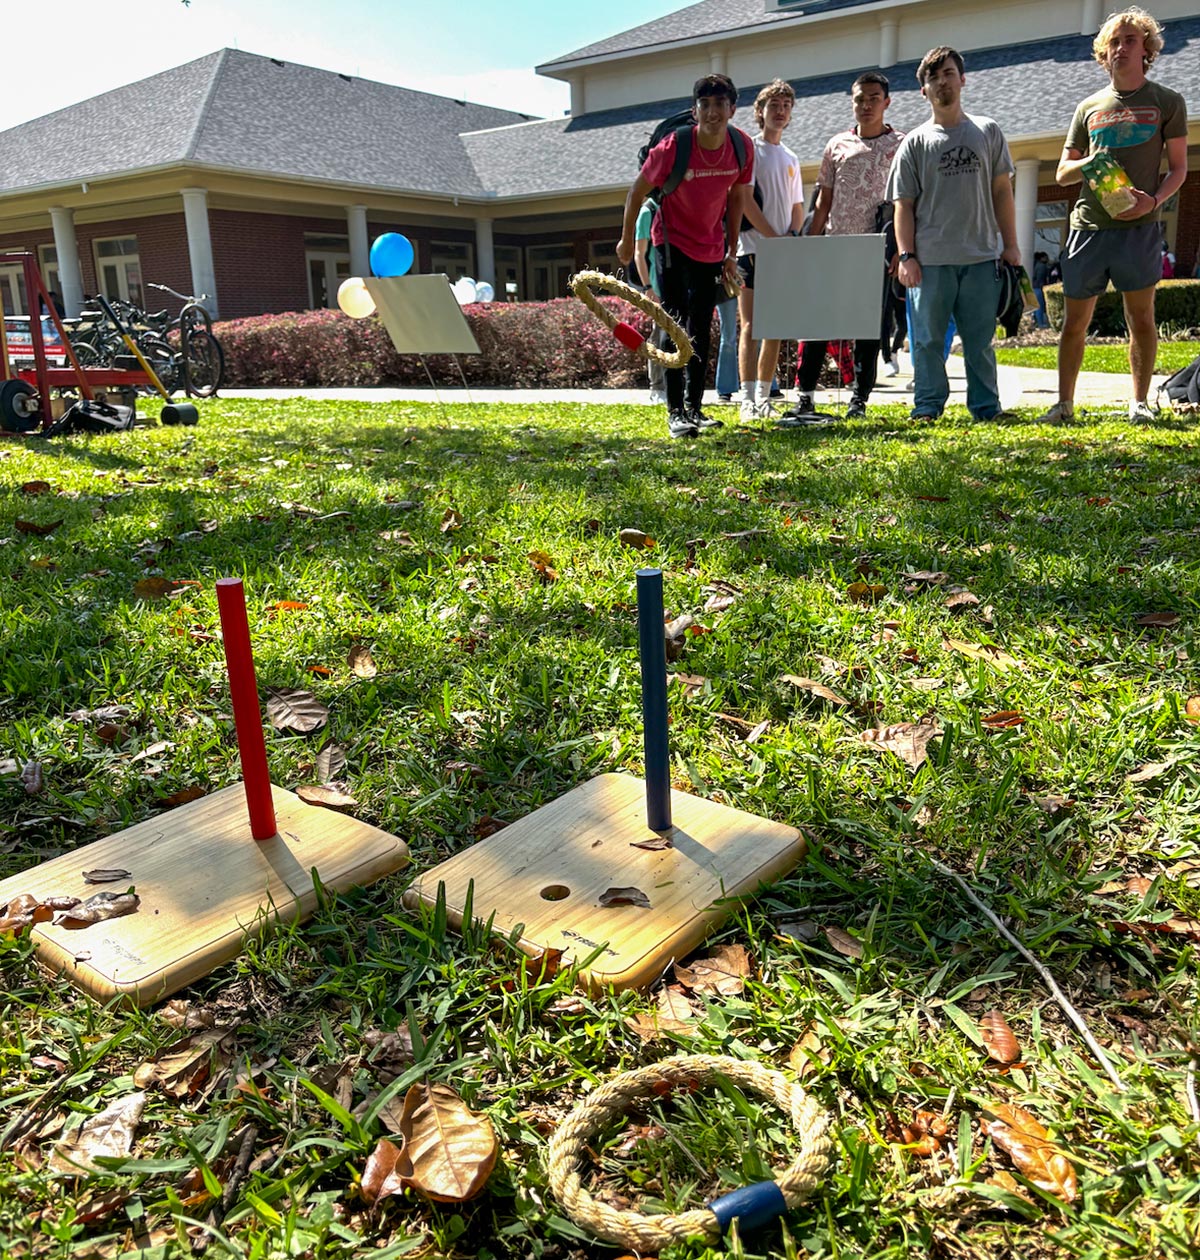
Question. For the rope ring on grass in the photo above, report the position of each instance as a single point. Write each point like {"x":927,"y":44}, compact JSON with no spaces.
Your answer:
{"x":626,"y":334}
{"x":751,"y":1205}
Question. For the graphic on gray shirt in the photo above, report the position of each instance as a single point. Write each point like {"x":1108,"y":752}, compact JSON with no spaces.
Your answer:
{"x":947,"y":172}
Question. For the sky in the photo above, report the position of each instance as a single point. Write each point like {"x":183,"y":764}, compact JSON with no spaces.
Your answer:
{"x":478,"y":50}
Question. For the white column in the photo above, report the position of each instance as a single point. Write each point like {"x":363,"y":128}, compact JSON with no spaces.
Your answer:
{"x":1089,"y":16}
{"x":63,"y":219}
{"x":717,"y":61}
{"x":889,"y":41}
{"x":204,"y":274}
{"x":578,"y":97}
{"x":485,"y":252}
{"x":360,"y":255}
{"x":1026,"y":196}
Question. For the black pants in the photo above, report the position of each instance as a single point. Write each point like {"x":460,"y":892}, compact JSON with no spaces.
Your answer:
{"x":895,"y":323}
{"x":689,"y":293}
{"x":866,"y":367}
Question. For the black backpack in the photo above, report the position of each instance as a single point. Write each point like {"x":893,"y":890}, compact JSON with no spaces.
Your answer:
{"x":92,"y":416}
{"x":1184,"y":385}
{"x":681,"y":124}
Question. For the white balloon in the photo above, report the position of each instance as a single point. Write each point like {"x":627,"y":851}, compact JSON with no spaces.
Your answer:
{"x":484,"y":292}
{"x":464,"y":290}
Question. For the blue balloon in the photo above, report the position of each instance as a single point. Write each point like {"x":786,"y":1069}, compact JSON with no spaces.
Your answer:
{"x":391,"y":254}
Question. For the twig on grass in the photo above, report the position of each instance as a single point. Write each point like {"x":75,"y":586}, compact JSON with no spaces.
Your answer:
{"x":1190,"y":1087}
{"x":219,"y":1209}
{"x":1060,"y":997}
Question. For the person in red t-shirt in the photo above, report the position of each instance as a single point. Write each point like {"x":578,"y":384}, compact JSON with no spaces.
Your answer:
{"x":695,"y":236}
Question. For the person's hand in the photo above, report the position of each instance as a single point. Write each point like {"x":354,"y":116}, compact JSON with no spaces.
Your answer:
{"x":893,"y":265}
{"x":624,"y":251}
{"x":910,"y":273}
{"x":1012,"y":254}
{"x":1144,"y":205}
{"x":729,"y":273}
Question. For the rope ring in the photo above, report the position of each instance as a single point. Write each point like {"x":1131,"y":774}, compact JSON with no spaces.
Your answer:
{"x":751,"y":1205}
{"x":582,"y":285}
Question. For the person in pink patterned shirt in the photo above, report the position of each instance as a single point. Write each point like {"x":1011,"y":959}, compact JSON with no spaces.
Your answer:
{"x":851,"y":187}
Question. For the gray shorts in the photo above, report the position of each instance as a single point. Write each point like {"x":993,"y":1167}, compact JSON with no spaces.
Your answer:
{"x":1130,"y":257}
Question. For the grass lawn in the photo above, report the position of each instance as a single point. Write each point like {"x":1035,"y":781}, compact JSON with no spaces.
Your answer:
{"x":1172,"y":355}
{"x":989,"y":580}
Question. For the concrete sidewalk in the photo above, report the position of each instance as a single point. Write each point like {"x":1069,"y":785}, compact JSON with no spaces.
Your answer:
{"x":1019,"y":387}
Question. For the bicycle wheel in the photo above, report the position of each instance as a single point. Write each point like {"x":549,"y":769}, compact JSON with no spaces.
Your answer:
{"x":194,"y":318}
{"x":203,"y":364}
{"x":164,"y":359}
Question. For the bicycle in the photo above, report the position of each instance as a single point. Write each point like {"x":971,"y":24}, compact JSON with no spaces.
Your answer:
{"x":203,"y":360}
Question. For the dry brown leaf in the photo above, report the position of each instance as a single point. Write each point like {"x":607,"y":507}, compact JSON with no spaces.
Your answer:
{"x":184,"y":796}
{"x":449,"y":1151}
{"x":380,"y":1178}
{"x":1002,"y":1045}
{"x":994,"y":656}
{"x":814,"y":688}
{"x":1053,"y":804}
{"x":624,"y":897}
{"x":291,"y":709}
{"x":33,"y":778}
{"x":336,"y":795}
{"x":24,"y":911}
{"x":927,"y":577}
{"x":865,"y":592}
{"x":331,"y":761}
{"x":692,"y":684}
{"x":183,"y":1068}
{"x":842,"y":941}
{"x":1002,"y":719}
{"x":107,"y":1133}
{"x":1149,"y":771}
{"x":1162,"y":620}
{"x":653,"y":844}
{"x":635,"y":538}
{"x":1006,"y":1181}
{"x":99,"y":907}
{"x":287,"y":605}
{"x":105,"y":875}
{"x":1191,"y":709}
{"x":1024,"y":1140}
{"x":361,"y":662}
{"x":961,"y":601}
{"x":807,"y":1052}
{"x":452,"y":519}
{"x":36,"y":527}
{"x":723,"y":974}
{"x":36,"y":487}
{"x":153,"y":588}
{"x":908,"y":740}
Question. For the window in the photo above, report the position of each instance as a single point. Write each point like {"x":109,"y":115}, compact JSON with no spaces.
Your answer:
{"x":48,"y":266}
{"x":602,"y":255}
{"x":549,"y":267}
{"x":12,"y":290}
{"x":118,"y":268}
{"x":454,"y":258}
{"x":1050,"y":228}
{"x":508,"y":271}
{"x":327,"y":260}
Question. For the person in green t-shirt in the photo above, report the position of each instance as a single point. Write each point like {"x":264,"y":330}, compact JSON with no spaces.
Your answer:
{"x":1133,"y":122}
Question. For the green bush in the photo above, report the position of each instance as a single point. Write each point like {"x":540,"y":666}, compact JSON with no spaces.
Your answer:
{"x":1177,"y":302}
{"x":523,"y":345}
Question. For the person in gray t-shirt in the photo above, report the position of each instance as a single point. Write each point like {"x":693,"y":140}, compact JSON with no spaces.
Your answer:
{"x":951,"y":182}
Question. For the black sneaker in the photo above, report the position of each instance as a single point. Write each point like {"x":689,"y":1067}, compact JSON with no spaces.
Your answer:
{"x":776,"y":392}
{"x":703,"y":422}
{"x":681,"y":425}
{"x":802,"y":407}
{"x":856,"y":410}
{"x":725,"y":398}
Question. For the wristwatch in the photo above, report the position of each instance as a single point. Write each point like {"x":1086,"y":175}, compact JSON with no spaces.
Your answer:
{"x":906,"y":256}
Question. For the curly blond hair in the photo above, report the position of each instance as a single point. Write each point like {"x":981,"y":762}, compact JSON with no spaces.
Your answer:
{"x":777,"y":87}
{"x":1139,"y":19}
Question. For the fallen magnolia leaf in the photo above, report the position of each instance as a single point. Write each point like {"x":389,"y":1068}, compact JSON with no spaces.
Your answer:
{"x":961,"y":601}
{"x":843,"y":942}
{"x":32,"y":778}
{"x":24,"y":911}
{"x":865,"y":592}
{"x":180,"y":1013}
{"x":380,"y":1178}
{"x":1028,"y":1145}
{"x":543,"y":566}
{"x":674,"y":1013}
{"x":183,"y":1068}
{"x":107,"y":1133}
{"x":1004,"y":718}
{"x":452,"y":519}
{"x":654,"y":844}
{"x":922,"y":1135}
{"x":99,"y":907}
{"x":808,"y":1051}
{"x":1149,"y":771}
{"x":36,"y":527}
{"x":331,"y":795}
{"x":331,"y":761}
{"x":1162,"y":620}
{"x":1053,"y":804}
{"x":907,"y":740}
{"x":1004,"y":1180}
{"x":723,"y":974}
{"x":291,"y":709}
{"x":692,"y":684}
{"x":630,"y":537}
{"x":184,"y":796}
{"x":449,"y":1151}
{"x":36,"y":487}
{"x":994,"y":656}
{"x":1191,"y":709}
{"x":1002,"y":1045}
{"x":624,"y":897}
{"x":814,"y":688}
{"x":361,"y":662}
{"x":105,"y":875}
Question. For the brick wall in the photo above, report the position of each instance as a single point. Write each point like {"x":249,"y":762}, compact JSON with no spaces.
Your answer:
{"x":1187,"y":227}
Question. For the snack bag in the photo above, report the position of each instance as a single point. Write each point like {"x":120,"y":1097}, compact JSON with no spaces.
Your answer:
{"x":1107,"y":179}
{"x":1028,"y":297}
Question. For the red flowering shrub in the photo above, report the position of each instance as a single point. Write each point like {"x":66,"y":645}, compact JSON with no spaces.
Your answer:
{"x":523,"y":345}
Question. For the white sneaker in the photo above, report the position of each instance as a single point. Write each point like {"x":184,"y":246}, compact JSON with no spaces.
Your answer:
{"x":748,"y":409}
{"x":1141,"y":412}
{"x":1060,"y":412}
{"x":891,"y":367}
{"x":658,"y":397}
{"x":764,"y":409}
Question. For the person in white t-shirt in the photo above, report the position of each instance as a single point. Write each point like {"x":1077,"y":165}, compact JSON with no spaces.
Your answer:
{"x":776,"y":210}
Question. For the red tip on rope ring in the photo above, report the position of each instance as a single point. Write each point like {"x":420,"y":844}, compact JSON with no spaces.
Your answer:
{"x":628,"y":336}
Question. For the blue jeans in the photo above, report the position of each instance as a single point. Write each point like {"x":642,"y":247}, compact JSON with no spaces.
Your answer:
{"x":727,"y":362}
{"x":968,"y":295}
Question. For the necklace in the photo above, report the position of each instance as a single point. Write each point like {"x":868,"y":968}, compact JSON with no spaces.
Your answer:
{"x":718,"y":154}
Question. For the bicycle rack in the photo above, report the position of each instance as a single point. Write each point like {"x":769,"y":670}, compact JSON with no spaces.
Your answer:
{"x":25,"y":402}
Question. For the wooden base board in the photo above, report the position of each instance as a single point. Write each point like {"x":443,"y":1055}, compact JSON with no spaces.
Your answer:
{"x":206,"y":886}
{"x":546,"y":874}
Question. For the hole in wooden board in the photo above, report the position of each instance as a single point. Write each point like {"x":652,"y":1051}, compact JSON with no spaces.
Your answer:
{"x":555,"y":892}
